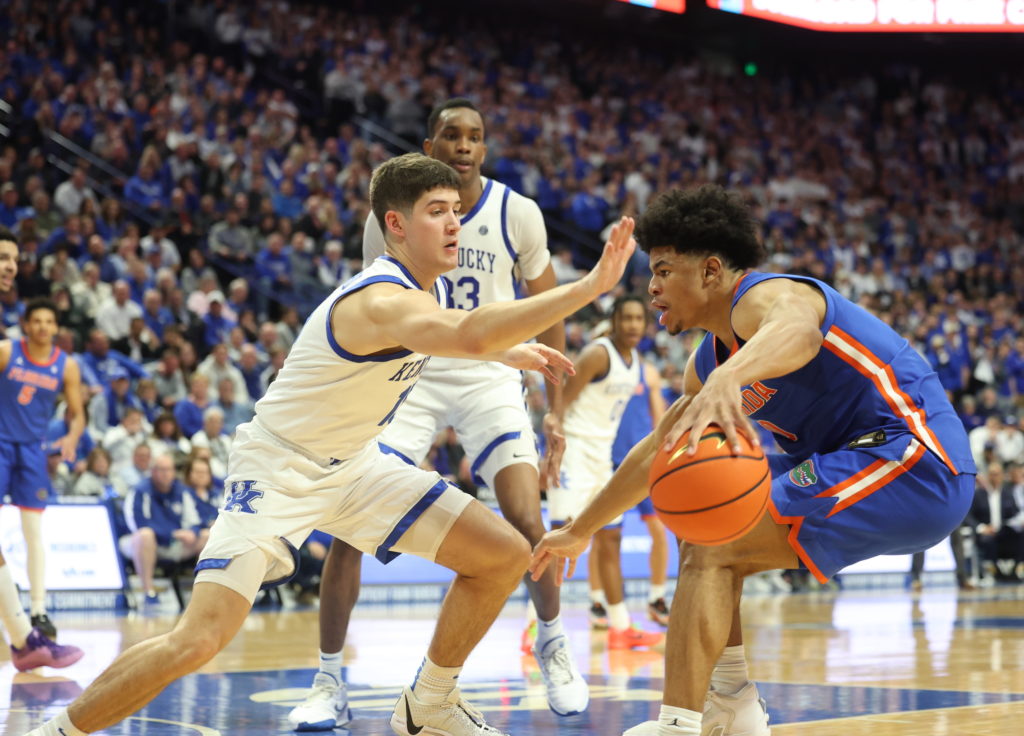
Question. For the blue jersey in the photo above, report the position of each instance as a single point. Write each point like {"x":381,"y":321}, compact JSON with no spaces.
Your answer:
{"x":636,"y":422}
{"x":28,"y":393}
{"x":864,"y":378}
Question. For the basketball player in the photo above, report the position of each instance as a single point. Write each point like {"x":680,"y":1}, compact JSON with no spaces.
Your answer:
{"x":502,"y":242}
{"x":310,"y":460}
{"x":607,"y":374}
{"x":876,"y":461}
{"x":30,"y":647}
{"x":34,"y":373}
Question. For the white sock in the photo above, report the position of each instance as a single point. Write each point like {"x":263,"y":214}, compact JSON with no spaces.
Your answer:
{"x":618,"y":615}
{"x":678,"y":721}
{"x":434,"y":683}
{"x":597,"y":596}
{"x":548,"y":630}
{"x":330,"y":664}
{"x":657,"y":591}
{"x":13,"y":615}
{"x":32,"y":529}
{"x":730,"y":673}
{"x":59,"y":726}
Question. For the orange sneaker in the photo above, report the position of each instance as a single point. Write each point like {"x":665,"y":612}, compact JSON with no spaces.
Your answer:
{"x":528,"y":638}
{"x":632,"y":638}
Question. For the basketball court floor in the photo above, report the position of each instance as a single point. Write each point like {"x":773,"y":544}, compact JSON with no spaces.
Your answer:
{"x":936,"y":663}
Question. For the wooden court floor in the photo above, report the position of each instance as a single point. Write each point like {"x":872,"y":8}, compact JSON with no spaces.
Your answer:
{"x":828,"y":664}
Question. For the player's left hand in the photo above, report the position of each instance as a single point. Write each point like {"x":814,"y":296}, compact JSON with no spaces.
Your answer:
{"x":68,"y":448}
{"x":557,"y":545}
{"x":538,"y":357}
{"x":554,"y":448}
{"x":718,"y":402}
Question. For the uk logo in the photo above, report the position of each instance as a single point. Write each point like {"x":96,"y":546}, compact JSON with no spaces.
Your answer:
{"x":242,"y":497}
{"x":803,"y":474}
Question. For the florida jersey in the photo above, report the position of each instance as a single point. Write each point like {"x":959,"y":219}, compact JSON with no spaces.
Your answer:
{"x":329,"y":401}
{"x":864,"y":378}
{"x":28,"y":393}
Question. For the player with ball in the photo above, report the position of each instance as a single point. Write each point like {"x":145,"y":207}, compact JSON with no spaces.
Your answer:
{"x":876,"y":461}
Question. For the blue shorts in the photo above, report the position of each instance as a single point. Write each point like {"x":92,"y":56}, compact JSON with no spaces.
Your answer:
{"x":23,"y":474}
{"x":645,"y":508}
{"x":853,"y":504}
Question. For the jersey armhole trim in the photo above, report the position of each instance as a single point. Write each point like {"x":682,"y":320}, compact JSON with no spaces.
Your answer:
{"x":342,"y":352}
{"x":479,"y":203}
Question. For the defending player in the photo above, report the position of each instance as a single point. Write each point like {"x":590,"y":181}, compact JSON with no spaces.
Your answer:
{"x":310,"y":460}
{"x":502,"y":242}
{"x":607,"y":374}
{"x":877,"y":461}
{"x":30,"y":647}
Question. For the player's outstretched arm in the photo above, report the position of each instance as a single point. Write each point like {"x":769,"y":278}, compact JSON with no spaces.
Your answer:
{"x":626,"y":488}
{"x":413,"y":320}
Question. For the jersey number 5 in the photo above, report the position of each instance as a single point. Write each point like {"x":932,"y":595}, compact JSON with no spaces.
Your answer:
{"x":26,"y":394}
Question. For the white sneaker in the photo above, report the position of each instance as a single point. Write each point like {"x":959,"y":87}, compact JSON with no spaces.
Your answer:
{"x":647,"y":728}
{"x":325,"y":707}
{"x":742,"y":714}
{"x":453,"y":717}
{"x":567,"y":691}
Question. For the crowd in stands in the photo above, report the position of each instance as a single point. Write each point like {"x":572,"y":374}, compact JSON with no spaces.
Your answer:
{"x":182,"y":280}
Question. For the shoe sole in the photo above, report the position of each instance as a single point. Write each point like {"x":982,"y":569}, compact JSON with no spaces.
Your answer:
{"x":325,"y":725}
{"x":398,"y":726}
{"x":32,"y":662}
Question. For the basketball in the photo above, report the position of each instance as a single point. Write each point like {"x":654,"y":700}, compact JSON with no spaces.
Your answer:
{"x":711,"y":497}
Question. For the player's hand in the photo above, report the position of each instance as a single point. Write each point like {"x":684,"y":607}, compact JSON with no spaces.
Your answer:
{"x":718,"y":402}
{"x":68,"y":448}
{"x":616,"y":254}
{"x":538,"y":357}
{"x":555,"y":546}
{"x":554,"y":448}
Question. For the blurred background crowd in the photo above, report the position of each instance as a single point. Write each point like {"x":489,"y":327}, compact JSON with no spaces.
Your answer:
{"x":188,"y":179}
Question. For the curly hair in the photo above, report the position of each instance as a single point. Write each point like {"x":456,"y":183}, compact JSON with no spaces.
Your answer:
{"x":703,"y":221}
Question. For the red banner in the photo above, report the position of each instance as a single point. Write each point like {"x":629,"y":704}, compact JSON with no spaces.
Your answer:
{"x":977,"y":16}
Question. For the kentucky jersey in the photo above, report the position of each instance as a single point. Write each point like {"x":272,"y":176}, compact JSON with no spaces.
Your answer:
{"x":28,"y":394}
{"x":502,"y":241}
{"x":330,"y":402}
{"x":864,"y":378}
{"x":593,"y":418}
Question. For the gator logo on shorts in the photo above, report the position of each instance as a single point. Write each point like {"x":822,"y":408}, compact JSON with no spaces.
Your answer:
{"x":42,"y":494}
{"x":803,"y":474}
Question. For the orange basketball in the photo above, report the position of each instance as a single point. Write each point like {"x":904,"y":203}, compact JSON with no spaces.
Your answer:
{"x":711,"y":497}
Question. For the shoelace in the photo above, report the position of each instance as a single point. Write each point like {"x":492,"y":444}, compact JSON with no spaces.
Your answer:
{"x":458,"y":703}
{"x":558,"y":667}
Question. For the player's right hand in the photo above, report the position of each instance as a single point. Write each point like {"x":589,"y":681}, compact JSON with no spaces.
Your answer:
{"x":557,"y":545}
{"x":616,"y":254}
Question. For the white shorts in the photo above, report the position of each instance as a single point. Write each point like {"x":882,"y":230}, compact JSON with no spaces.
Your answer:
{"x":276,"y":495}
{"x":586,"y":468}
{"x":487,"y":410}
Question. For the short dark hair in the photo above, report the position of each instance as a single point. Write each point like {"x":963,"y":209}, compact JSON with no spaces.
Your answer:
{"x":7,"y":236}
{"x":625,"y":299}
{"x":452,"y":104}
{"x":399,"y":182}
{"x":42,"y":302}
{"x":703,"y":221}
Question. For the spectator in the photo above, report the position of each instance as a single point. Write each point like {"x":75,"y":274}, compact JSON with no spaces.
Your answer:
{"x":331,"y":269}
{"x":130,"y":475}
{"x":149,"y":399}
{"x":95,"y":480}
{"x":251,"y":368}
{"x":107,"y":409}
{"x":1000,"y":530}
{"x":164,"y":524}
{"x":216,"y":326}
{"x":167,"y":375}
{"x":236,"y":410}
{"x":102,"y":361}
{"x":145,"y":190}
{"x":72,"y":193}
{"x":156,"y":316}
{"x":167,"y":439}
{"x":209,"y":497}
{"x":189,"y":411}
{"x":231,"y":240}
{"x":140,"y":344}
{"x":114,"y":318}
{"x":212,"y":436}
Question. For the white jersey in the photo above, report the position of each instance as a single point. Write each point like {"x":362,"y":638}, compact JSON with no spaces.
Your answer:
{"x":502,"y":242}
{"x":328,"y":402}
{"x":594,"y":416}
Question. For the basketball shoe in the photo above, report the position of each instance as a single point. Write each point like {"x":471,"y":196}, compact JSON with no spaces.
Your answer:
{"x":44,"y":625}
{"x":742,"y":714}
{"x":632,"y":638}
{"x":598,"y":616}
{"x":325,"y":707}
{"x":40,"y":651}
{"x":567,"y":691}
{"x":453,"y":717}
{"x":658,"y":612}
